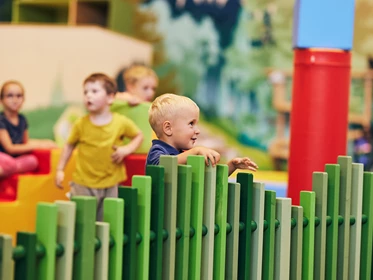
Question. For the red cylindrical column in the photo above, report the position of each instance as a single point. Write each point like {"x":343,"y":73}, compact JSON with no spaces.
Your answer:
{"x":319,"y":115}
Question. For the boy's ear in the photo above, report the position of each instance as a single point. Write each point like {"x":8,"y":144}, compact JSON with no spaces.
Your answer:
{"x":111,"y":98}
{"x":167,"y":128}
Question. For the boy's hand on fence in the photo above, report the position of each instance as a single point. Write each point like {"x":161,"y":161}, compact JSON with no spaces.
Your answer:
{"x":119,"y":154}
{"x":60,"y":175}
{"x":244,"y":163}
{"x":209,"y":154}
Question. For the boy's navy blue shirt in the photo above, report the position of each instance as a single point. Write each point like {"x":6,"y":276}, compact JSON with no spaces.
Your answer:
{"x":160,"y":148}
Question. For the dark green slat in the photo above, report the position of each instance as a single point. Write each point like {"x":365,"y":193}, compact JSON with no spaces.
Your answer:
{"x":25,"y":268}
{"x":244,"y":249}
{"x":367,"y":228}
{"x":156,"y":220}
{"x":130,"y":229}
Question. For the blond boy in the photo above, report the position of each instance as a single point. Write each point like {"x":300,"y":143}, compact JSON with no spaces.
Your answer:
{"x":174,"y":120}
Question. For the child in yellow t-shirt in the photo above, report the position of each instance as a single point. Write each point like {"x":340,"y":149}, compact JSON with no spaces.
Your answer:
{"x":98,"y":137}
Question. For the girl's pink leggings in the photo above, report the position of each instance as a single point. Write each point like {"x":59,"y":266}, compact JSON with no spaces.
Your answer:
{"x":10,"y":165}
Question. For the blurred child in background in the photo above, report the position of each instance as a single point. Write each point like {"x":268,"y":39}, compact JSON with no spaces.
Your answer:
{"x":15,"y":145}
{"x":141,"y":83}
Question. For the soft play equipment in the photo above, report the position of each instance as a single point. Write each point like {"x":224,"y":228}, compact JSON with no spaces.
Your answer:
{"x":322,"y":62}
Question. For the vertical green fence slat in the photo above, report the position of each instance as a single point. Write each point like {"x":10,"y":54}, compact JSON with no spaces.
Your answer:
{"x":282,"y":239}
{"x":333,"y":171}
{"x":184,"y":192}
{"x":65,"y":237}
{"x":25,"y":268}
{"x":46,"y":231}
{"x":101,"y":270}
{"x":156,"y":220}
{"x":355,"y":230}
{"x":221,"y":205}
{"x":344,"y":211}
{"x":129,"y":195}
{"x":143,"y":184}
{"x":307,"y":201}
{"x":84,"y":237}
{"x":269,"y":235}
{"x":244,"y":249}
{"x":170,"y":210}
{"x":6,"y":254}
{"x":196,"y":215}
{"x":233,"y":219}
{"x":296,"y":246}
{"x":209,"y":222}
{"x":367,"y":228}
{"x":257,"y":206}
{"x":114,"y":216}
{"x":320,"y":187}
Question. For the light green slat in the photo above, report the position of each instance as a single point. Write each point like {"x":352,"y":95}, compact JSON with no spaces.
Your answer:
{"x":184,"y":192}
{"x":344,"y":211}
{"x":333,"y":171}
{"x":296,"y":246}
{"x":6,"y":255}
{"x":114,"y":216}
{"x":367,"y":228}
{"x":170,"y":210}
{"x":85,"y":219}
{"x":355,"y":230}
{"x":46,"y":231}
{"x":257,"y":235}
{"x":144,"y":186}
{"x":307,"y":201}
{"x":320,"y":187}
{"x":269,"y":235}
{"x":221,"y":205}
{"x":102,"y":254}
{"x":282,"y":239}
{"x":65,"y":237}
{"x":209,"y":222}
{"x":196,"y":215}
{"x":233,"y":219}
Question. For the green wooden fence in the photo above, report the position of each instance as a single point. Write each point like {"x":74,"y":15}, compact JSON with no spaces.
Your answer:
{"x":191,"y":222}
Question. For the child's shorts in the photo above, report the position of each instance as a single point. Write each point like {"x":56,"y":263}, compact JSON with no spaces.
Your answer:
{"x":100,"y":194}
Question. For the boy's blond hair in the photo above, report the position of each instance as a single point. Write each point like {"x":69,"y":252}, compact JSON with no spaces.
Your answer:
{"x":166,"y":107}
{"x":136,"y":72}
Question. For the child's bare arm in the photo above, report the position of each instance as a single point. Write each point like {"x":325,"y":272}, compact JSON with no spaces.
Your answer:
{"x":241,"y":163}
{"x":121,"y":152}
{"x":65,"y":156}
{"x":209,"y":154}
{"x":15,"y":149}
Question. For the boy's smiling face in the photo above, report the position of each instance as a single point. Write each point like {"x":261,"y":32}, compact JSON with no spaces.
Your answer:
{"x":183,"y":130}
